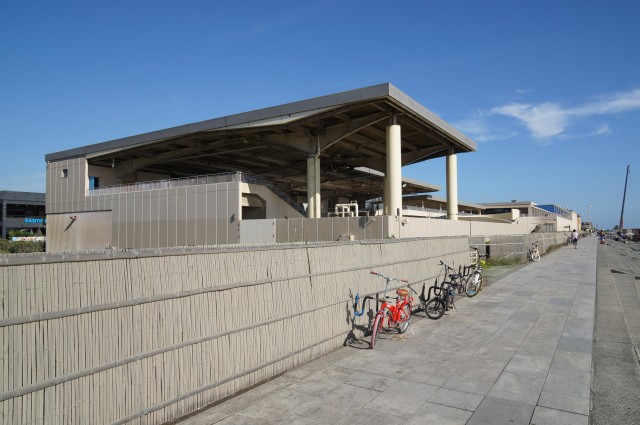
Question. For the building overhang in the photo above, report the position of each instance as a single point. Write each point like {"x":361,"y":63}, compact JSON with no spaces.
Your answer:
{"x":345,"y":130}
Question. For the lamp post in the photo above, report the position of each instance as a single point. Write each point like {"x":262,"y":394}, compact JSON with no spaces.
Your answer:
{"x":623,"y":199}
{"x":589,"y":217}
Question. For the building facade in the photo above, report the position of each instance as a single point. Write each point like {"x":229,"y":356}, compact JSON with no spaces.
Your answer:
{"x":22,"y":211}
{"x":194,"y":184}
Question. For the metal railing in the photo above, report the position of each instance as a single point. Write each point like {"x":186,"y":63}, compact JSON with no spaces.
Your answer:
{"x":236,"y":176}
{"x":167,"y":183}
{"x":253,"y":179}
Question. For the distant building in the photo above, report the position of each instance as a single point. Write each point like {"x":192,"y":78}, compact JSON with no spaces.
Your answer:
{"x":541,"y":217}
{"x":22,"y":211}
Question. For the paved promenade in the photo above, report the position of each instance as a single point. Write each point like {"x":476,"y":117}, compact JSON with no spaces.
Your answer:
{"x":518,"y":353}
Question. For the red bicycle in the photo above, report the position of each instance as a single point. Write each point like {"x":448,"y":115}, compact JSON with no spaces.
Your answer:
{"x":397,"y":314}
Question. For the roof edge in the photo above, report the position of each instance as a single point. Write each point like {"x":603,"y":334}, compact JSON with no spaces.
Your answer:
{"x":379,"y":91}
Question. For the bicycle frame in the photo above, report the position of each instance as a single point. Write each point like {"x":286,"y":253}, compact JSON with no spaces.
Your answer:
{"x":397,"y":314}
{"x":534,"y":252}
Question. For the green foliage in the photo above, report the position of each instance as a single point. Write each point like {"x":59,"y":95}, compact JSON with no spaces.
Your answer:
{"x":21,"y":233}
{"x":8,"y":247}
{"x":507,"y":261}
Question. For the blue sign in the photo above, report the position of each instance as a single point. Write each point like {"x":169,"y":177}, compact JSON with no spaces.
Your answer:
{"x":35,"y":220}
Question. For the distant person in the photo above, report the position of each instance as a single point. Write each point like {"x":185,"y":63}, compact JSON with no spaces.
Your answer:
{"x":574,"y":238}
{"x":601,"y":237}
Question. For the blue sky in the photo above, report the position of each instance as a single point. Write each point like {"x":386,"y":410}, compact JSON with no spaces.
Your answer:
{"x":550,"y":90}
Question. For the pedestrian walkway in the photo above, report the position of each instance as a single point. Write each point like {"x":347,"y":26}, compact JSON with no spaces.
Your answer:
{"x":518,"y":353}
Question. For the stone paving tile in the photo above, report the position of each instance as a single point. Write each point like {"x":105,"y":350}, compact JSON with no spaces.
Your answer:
{"x":356,"y":396}
{"x":576,"y":345}
{"x":563,"y":402}
{"x":518,"y":387}
{"x":538,"y":347}
{"x":430,"y":413}
{"x":578,"y":332}
{"x":570,"y":360}
{"x":239,"y":419}
{"x":373,"y":417}
{"x":478,"y":376}
{"x":334,"y":412}
{"x":526,"y":317}
{"x":529,"y":365}
{"x":480,"y":385}
{"x":568,"y":382}
{"x":431,"y":372}
{"x":499,"y":352}
{"x":495,"y":411}
{"x":278,"y":406}
{"x":545,"y":416}
{"x":403,"y":398}
{"x":235,"y":404}
{"x":370,"y":381}
{"x":457,"y":399}
{"x":322,"y":382}
{"x":552,"y":333}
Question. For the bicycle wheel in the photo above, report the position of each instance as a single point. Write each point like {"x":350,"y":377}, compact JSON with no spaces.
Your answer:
{"x":473,"y":284}
{"x":435,"y":309}
{"x":377,"y":328}
{"x":405,"y":316}
{"x":535,"y":256}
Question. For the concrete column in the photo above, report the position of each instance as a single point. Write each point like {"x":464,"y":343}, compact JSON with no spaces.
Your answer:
{"x":318,"y":202}
{"x":313,"y":187}
{"x":393,"y":197}
{"x":452,"y":186}
{"x":385,"y":195}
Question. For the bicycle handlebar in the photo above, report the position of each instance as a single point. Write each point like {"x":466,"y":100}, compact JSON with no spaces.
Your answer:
{"x":442,"y":263}
{"x":390,"y":279}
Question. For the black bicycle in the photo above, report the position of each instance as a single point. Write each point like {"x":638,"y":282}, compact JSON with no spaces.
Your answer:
{"x":443,"y":294}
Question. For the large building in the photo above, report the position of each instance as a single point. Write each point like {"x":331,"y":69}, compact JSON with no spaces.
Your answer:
{"x":195,"y":184}
{"x":22,"y":211}
{"x":541,"y":217}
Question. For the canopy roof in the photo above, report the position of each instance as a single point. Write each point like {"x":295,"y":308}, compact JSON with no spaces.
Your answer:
{"x":346,"y":130}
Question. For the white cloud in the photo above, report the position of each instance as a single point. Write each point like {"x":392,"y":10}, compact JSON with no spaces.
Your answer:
{"x":599,"y":131}
{"x":611,"y":104}
{"x":478,"y":128}
{"x":544,"y":120}
{"x":547,"y":120}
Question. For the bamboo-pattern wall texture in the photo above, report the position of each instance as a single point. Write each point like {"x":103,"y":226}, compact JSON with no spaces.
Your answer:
{"x":150,"y":339}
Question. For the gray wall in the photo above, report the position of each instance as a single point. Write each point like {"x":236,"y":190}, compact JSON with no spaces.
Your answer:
{"x":148,"y":215}
{"x":149,"y":339}
{"x":516,"y":246}
{"x":192,"y":215}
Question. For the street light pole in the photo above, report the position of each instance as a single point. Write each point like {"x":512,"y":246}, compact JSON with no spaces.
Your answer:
{"x":624,"y":196}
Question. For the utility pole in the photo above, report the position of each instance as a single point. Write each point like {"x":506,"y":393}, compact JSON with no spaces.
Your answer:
{"x":623,"y":199}
{"x":589,"y":217}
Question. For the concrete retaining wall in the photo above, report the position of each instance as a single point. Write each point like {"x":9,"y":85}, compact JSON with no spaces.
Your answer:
{"x":150,"y":339}
{"x":515,"y":246}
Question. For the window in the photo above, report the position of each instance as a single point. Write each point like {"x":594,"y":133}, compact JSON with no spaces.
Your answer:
{"x":94,"y":182}
{"x":65,"y":173}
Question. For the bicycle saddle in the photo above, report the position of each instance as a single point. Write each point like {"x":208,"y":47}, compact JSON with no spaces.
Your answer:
{"x":402,"y":292}
{"x":454,"y":276}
